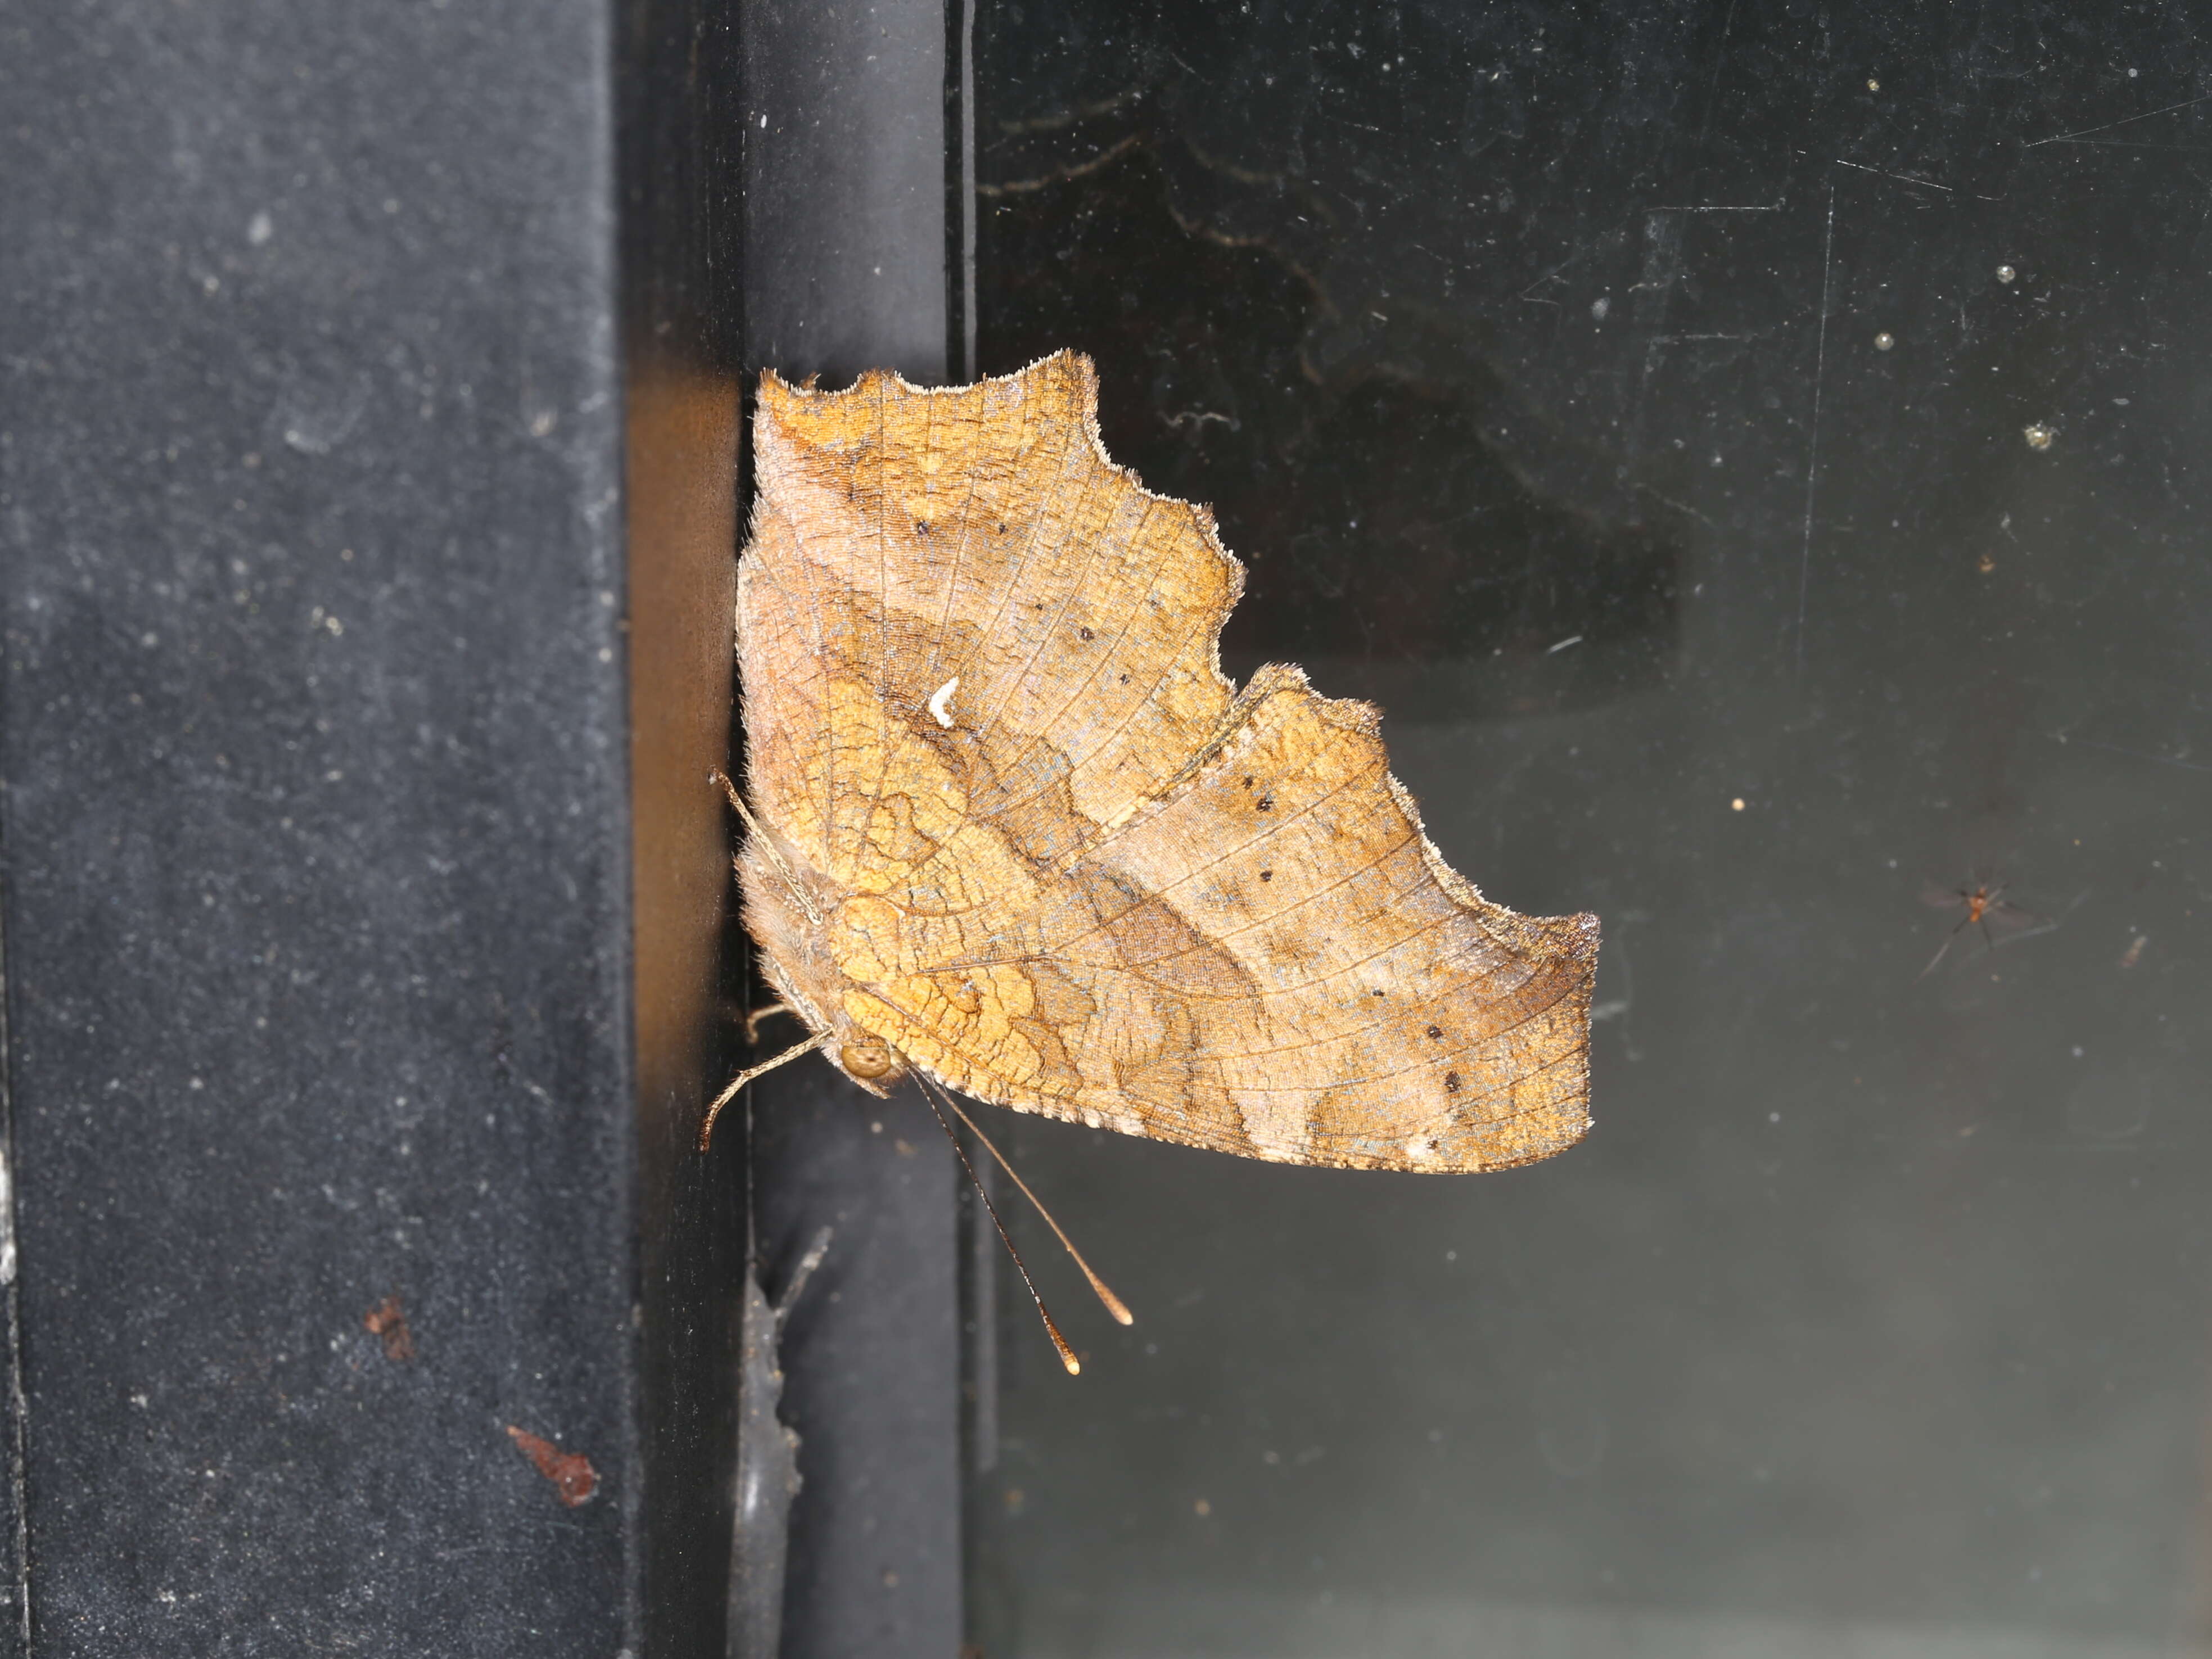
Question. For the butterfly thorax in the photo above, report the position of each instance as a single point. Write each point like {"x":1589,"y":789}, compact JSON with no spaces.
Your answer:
{"x":790,"y":910}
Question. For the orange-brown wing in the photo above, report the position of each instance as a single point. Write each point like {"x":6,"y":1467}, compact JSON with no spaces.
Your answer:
{"x":983,"y":697}
{"x":976,"y":538}
{"x":1273,"y":960}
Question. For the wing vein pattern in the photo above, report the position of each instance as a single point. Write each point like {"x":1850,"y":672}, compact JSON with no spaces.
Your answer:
{"x":1096,"y":880}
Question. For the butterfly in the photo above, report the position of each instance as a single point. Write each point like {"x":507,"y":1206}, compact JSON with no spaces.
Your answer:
{"x":1009,"y":828}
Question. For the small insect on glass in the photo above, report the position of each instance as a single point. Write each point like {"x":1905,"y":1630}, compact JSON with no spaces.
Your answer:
{"x":1983,"y":907}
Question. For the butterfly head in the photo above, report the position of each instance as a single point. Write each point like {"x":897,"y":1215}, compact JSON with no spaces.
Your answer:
{"x":867,"y":1060}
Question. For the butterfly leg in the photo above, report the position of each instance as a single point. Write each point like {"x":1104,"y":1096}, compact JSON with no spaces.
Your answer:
{"x":755,"y":836}
{"x":707,"y":1129}
{"x":753,"y":1021}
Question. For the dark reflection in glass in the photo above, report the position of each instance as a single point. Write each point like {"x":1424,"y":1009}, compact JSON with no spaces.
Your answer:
{"x":1753,"y":458}
{"x":1392,"y":467}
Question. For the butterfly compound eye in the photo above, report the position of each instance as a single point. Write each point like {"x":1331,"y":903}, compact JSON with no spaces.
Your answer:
{"x":867,"y":1058}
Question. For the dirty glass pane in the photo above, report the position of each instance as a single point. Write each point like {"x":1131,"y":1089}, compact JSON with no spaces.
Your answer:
{"x":1754,"y":455}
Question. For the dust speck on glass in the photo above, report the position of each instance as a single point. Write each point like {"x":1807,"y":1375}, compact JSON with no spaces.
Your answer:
{"x":1765,"y":497}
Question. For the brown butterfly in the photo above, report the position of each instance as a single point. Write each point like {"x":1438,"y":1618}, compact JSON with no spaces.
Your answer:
{"x":1011,"y":829}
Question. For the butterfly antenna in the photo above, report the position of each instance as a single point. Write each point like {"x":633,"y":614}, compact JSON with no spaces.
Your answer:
{"x":1066,"y":1354}
{"x":707,"y":1129}
{"x":1114,"y":1306}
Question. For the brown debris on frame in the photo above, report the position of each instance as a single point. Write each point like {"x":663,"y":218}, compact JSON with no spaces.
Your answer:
{"x":574,"y":1477}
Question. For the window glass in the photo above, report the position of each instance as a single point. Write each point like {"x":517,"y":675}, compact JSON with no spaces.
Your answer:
{"x":1753,"y":456}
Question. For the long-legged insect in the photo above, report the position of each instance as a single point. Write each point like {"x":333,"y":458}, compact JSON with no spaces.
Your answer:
{"x":1986,"y":908}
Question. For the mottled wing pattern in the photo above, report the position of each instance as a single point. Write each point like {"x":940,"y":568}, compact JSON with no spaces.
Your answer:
{"x":906,"y":539}
{"x":1089,"y":879}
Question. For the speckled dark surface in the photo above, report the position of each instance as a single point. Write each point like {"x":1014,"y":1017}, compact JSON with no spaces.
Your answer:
{"x":370,"y":473}
{"x":316,"y":825}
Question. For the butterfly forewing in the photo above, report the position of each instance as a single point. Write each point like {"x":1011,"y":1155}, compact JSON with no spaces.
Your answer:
{"x":1069,"y":869}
